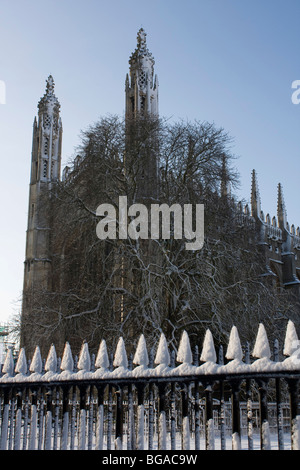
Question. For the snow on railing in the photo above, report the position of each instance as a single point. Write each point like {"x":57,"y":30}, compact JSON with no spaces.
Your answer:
{"x":65,"y":371}
{"x":60,"y":405}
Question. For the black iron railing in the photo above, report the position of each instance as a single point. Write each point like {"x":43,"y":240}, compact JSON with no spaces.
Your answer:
{"x":193,"y":404}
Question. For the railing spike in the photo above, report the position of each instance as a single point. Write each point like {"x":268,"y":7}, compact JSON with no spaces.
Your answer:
{"x":291,"y":343}
{"x":184,"y":354}
{"x":208,"y":350}
{"x":84,"y":361}
{"x":261,"y":347}
{"x":67,"y":362}
{"x":162,"y":353}
{"x":141,"y":354}
{"x":234,"y":349}
{"x":120,"y":359}
{"x":51,"y":362}
{"x":102,"y":359}
{"x":36,"y":364}
{"x":21,"y":365}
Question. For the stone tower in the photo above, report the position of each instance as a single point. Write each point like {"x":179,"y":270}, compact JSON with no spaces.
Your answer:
{"x":141,"y":87}
{"x":45,"y":169}
{"x":141,"y":115}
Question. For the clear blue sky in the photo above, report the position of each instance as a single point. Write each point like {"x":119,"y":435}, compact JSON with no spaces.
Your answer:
{"x":227,"y":61}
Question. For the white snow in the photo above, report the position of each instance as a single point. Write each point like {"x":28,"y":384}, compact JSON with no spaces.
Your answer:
{"x":234,"y":349}
{"x":141,"y":355}
{"x":184,"y":354}
{"x":84,"y":361}
{"x":162,"y":353}
{"x":261,"y":347}
{"x":261,"y":354}
{"x":208,"y":350}
{"x":120,"y":359}
{"x":67,"y":363}
{"x":236,"y":441}
{"x":8,"y":366}
{"x":296,"y":433}
{"x":21,"y":366}
{"x":36,"y":363}
{"x":291,"y":343}
{"x":266,"y":438}
{"x":102,"y":360}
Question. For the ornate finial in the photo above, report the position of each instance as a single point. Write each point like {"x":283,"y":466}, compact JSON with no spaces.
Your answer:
{"x":281,"y":210}
{"x":49,"y":98}
{"x":255,"y":197}
{"x":141,"y":37}
{"x":50,"y":85}
{"x":141,"y":50}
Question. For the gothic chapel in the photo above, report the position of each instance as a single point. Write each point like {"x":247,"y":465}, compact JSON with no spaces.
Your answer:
{"x":280,"y":242}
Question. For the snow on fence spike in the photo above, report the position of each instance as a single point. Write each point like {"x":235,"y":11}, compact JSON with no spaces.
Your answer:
{"x":141,"y":354}
{"x":51,"y":362}
{"x":184,"y":354}
{"x":261,"y":347}
{"x":234,"y":348}
{"x":291,"y":343}
{"x":8,"y":366}
{"x":102,"y":359}
{"x":36,"y":364}
{"x":84,"y":361}
{"x":120,"y":359}
{"x":162,"y":353}
{"x":208,"y":350}
{"x":21,"y":365}
{"x":67,"y":362}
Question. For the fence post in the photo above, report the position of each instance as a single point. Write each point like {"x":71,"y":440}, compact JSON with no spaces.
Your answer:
{"x":162,"y":431}
{"x":90,"y":418}
{"x":151,"y":416}
{"x":73,"y":417}
{"x":41,"y":418}
{"x":109,"y":417}
{"x":82,"y":418}
{"x":100,"y":419}
{"x":5,"y":420}
{"x":279,"y":412}
{"x":265,"y":443}
{"x":236,"y":419}
{"x":18,"y":421}
{"x":140,"y":418}
{"x":131,"y":441}
{"x":119,"y":420}
{"x":222,"y":416}
{"x":11,"y":419}
{"x":294,"y":413}
{"x":249,"y":402}
{"x":197,"y":416}
{"x":48,"y":430}
{"x":33,"y":421}
{"x":209,"y":420}
{"x":56,"y":417}
{"x":185,"y":418}
{"x":173,"y":416}
{"x":65,"y":417}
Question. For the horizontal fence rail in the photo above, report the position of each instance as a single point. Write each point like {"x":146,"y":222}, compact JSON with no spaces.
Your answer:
{"x":185,"y":402}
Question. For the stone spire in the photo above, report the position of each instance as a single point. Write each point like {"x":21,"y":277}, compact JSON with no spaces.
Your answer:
{"x":255,"y":197}
{"x":47,"y":137}
{"x":141,"y":86}
{"x":281,"y":210}
{"x":49,"y":100}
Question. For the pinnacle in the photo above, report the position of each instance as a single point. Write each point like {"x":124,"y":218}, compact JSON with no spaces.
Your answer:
{"x":50,"y":85}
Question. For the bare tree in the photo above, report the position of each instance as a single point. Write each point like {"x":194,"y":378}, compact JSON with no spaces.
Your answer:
{"x":107,"y":288}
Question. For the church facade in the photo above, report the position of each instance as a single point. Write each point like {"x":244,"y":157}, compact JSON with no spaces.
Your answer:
{"x":279,"y":242}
